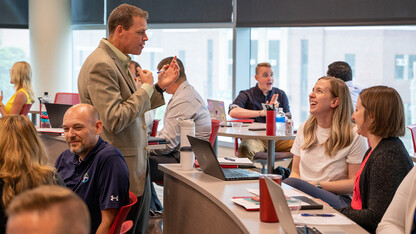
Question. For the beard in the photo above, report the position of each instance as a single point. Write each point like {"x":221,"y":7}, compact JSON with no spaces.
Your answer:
{"x":78,"y":150}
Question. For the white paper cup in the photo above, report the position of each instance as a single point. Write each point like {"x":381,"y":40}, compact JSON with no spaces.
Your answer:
{"x":187,"y":160}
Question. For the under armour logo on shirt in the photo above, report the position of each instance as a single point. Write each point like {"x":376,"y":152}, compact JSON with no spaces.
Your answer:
{"x":85,"y":178}
{"x":113,"y":198}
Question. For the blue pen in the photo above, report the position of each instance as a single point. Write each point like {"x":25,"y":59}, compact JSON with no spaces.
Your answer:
{"x":321,"y":215}
{"x":161,"y":71}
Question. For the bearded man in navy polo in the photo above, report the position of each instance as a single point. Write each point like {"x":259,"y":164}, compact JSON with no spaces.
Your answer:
{"x":92,"y":168}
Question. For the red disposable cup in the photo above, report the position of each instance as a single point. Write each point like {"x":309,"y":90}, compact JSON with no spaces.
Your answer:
{"x":271,"y":123}
{"x":267,"y":211}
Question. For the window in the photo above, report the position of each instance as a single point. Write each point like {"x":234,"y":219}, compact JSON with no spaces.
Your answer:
{"x":378,"y":55}
{"x":84,"y":42}
{"x":350,"y":59}
{"x":405,"y":66}
{"x":14,"y":47}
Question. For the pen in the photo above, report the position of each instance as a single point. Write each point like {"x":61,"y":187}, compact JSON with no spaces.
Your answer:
{"x":321,"y":215}
{"x":161,"y":71}
{"x":229,"y":159}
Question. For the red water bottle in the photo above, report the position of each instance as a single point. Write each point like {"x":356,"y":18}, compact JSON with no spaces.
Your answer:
{"x":271,"y":122}
{"x":267,"y":211}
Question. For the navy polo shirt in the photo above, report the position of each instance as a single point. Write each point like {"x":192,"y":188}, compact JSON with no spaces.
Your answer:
{"x":252,"y":99}
{"x":101,"y":179}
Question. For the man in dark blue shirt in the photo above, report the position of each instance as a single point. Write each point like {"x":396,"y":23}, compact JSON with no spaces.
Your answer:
{"x":92,"y":168}
{"x":248,"y":105}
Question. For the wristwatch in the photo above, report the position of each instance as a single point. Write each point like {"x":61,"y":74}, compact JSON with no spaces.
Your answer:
{"x":318,"y":185}
{"x":159,"y":89}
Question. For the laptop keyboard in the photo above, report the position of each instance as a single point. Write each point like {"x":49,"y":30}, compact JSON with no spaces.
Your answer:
{"x":237,"y":173}
{"x":313,"y":230}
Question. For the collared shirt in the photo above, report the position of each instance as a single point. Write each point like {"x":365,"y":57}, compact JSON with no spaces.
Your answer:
{"x":186,"y":103}
{"x":355,"y":91}
{"x":125,"y":59}
{"x":252,"y":99}
{"x":101,"y":179}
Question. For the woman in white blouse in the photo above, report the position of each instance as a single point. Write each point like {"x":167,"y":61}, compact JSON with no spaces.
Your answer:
{"x":327,"y":150}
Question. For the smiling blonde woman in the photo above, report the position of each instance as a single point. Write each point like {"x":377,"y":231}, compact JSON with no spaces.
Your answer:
{"x":327,"y":150}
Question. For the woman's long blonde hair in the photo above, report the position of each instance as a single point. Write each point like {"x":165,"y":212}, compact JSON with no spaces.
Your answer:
{"x":23,"y":161}
{"x":21,"y":75}
{"x":342,"y":133}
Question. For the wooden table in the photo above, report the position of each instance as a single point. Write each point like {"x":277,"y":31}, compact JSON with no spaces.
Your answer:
{"x":258,"y":135}
{"x":195,"y":202}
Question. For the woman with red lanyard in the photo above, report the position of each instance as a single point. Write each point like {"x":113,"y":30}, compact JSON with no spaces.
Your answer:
{"x":379,"y":116}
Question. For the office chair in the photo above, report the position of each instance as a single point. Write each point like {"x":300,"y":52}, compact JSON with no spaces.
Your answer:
{"x":119,"y":221}
{"x":67,"y":98}
{"x":26,"y":109}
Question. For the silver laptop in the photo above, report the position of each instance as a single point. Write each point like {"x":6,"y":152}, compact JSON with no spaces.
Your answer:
{"x":209,"y":164}
{"x":217,"y":110}
{"x":283,"y":211}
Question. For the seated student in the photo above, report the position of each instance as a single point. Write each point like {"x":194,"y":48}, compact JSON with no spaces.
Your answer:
{"x":48,"y":209}
{"x":21,"y":76}
{"x":148,"y":115}
{"x":23,"y":161}
{"x":186,"y":103}
{"x":327,"y":150}
{"x":92,"y":168}
{"x":342,"y":70}
{"x":401,"y":213}
{"x":379,"y":117}
{"x":248,"y":105}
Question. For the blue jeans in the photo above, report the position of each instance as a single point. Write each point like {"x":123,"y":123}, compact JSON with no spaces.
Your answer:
{"x":334,"y":200}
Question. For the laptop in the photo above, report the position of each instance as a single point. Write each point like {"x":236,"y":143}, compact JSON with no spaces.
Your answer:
{"x":56,"y":113}
{"x":283,"y":211}
{"x":217,"y":111}
{"x":209,"y":164}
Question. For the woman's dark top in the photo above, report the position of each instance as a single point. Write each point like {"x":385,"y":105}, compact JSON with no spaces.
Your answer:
{"x":387,"y":166}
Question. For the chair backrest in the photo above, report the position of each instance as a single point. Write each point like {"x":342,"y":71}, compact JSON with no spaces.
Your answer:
{"x":215,"y":126}
{"x":122,"y":214}
{"x":412,"y":128}
{"x":127,"y":225}
{"x":154,"y":127}
{"x":26,"y":109}
{"x":67,"y":98}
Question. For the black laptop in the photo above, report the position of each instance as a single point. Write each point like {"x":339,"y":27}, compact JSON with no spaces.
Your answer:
{"x":56,"y":113}
{"x":209,"y":164}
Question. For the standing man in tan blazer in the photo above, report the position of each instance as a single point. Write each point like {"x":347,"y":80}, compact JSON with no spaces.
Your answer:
{"x":106,"y":83}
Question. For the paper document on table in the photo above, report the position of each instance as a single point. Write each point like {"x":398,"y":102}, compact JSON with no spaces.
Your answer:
{"x":50,"y":130}
{"x":254,"y":191}
{"x":293,"y":192}
{"x":287,"y":192}
{"x":247,"y":202}
{"x":235,"y":161}
{"x":337,"y":219}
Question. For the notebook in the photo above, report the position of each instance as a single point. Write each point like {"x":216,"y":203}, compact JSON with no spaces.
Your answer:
{"x":209,"y":164}
{"x":217,"y":111}
{"x":283,"y":211}
{"x":56,"y":113}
